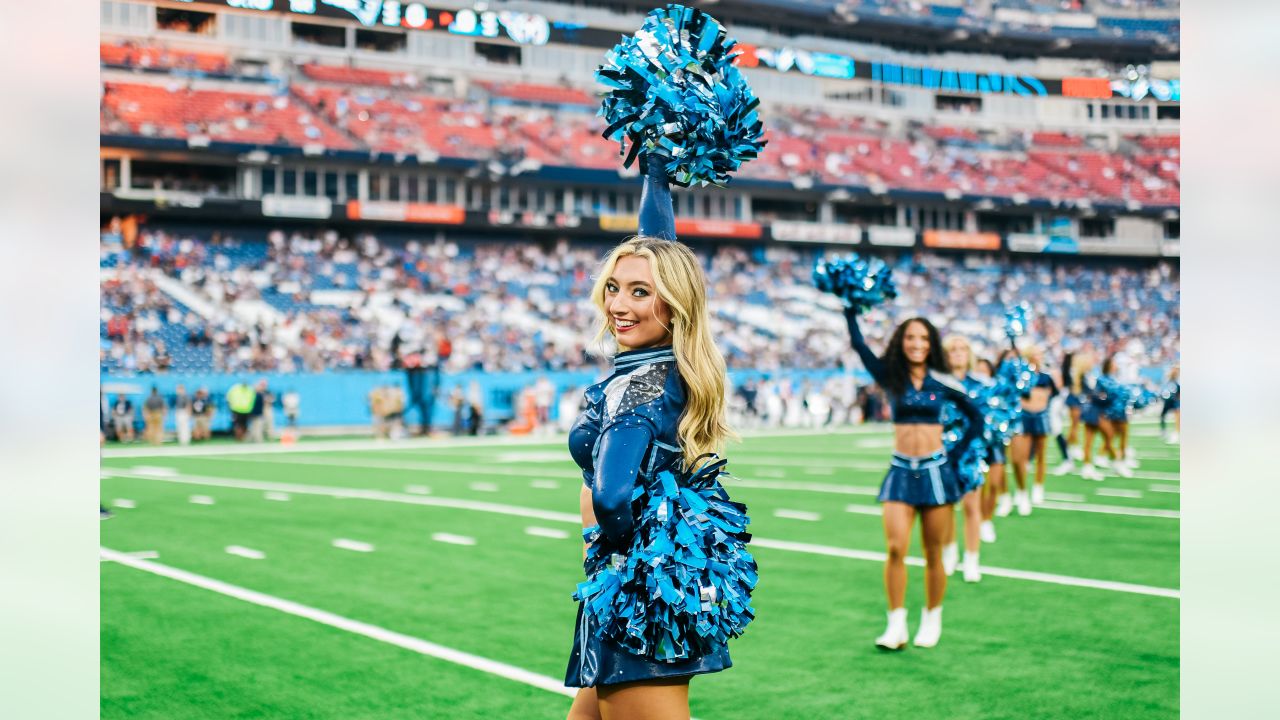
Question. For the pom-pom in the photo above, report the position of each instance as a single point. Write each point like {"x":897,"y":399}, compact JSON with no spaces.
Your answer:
{"x":971,"y":467}
{"x":683,"y":588}
{"x":1140,"y":397}
{"x":1003,"y":408}
{"x":676,"y":96}
{"x":861,"y":282}
{"x":1016,"y":321}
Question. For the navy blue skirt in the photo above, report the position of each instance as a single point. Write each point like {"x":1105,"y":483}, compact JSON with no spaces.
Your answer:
{"x":600,"y":662}
{"x":1073,"y":400}
{"x":921,"y":481}
{"x":995,"y":455}
{"x":1035,"y":424}
{"x":1090,"y":415}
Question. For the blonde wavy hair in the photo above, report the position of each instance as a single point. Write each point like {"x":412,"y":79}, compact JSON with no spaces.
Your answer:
{"x":954,"y":341}
{"x":681,"y":285}
{"x":1081,"y":364}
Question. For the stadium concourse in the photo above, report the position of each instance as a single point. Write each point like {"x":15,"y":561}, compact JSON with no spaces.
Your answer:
{"x":322,"y":220}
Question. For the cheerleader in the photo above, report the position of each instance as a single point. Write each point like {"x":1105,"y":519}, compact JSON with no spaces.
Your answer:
{"x":1095,"y":423}
{"x":1071,"y":382}
{"x":1004,"y":501}
{"x":662,"y":407}
{"x":920,"y":480}
{"x":995,"y":486}
{"x":960,"y":360}
{"x":1172,"y":404}
{"x":1030,"y":443}
{"x":1116,"y":413}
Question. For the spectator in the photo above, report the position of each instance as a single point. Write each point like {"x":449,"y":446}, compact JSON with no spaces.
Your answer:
{"x":240,"y":400}
{"x":182,"y":414}
{"x":201,"y":415}
{"x":122,"y":418}
{"x":153,"y":412}
{"x":290,"y":403}
{"x":258,"y":413}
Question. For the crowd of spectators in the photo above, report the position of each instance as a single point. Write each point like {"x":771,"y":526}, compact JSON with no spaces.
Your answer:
{"x":293,"y":302}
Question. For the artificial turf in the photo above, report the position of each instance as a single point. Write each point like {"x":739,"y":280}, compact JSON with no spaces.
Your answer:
{"x":1012,"y":648}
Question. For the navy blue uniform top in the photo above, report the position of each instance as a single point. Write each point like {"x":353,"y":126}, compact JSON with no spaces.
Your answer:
{"x":626,"y":432}
{"x":1041,"y":380}
{"x":922,"y":405}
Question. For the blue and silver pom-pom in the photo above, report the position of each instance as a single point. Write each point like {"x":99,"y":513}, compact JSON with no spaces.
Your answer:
{"x":1016,"y":321}
{"x":1003,"y":408}
{"x":863,"y":283}
{"x":1141,"y":396}
{"x":683,"y":588}
{"x":971,"y":467}
{"x":675,"y":96}
{"x":1117,"y":395}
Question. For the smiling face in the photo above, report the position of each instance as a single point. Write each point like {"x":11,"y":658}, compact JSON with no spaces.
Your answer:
{"x":915,"y":343}
{"x":639,"y":318}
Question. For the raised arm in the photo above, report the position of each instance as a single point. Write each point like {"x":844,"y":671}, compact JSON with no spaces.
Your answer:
{"x":870,"y":360}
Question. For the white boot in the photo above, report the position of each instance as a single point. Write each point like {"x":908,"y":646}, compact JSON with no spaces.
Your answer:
{"x":1131,"y":455}
{"x":1173,"y":438}
{"x":1037,"y":494}
{"x":1067,"y":466}
{"x":1102,"y":461}
{"x":972,"y":573}
{"x":987,"y":531}
{"x":1023,"y":501}
{"x":1076,"y":453}
{"x":930,"y":627}
{"x":1004,"y":505}
{"x":950,"y":558}
{"x":895,"y":633}
{"x":1122,"y":469}
{"x":1089,"y":472}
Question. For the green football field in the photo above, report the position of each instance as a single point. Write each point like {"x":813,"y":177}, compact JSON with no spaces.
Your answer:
{"x":432,"y":579}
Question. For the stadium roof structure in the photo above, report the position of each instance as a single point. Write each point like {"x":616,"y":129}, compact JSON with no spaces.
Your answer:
{"x":945,"y":28}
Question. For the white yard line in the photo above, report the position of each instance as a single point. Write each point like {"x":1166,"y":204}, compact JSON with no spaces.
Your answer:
{"x":1165,"y":488}
{"x":363,"y":494}
{"x":201,"y":500}
{"x":1065,"y":497}
{"x":986,"y":569}
{"x":374,"y":632}
{"x":797,"y":515}
{"x":833,"y":489}
{"x":1119,"y":492}
{"x":327,"y":446}
{"x":276,"y":496}
{"x":452,"y":539}
{"x":576,"y":520}
{"x":353,"y":545}
{"x":245,"y":552}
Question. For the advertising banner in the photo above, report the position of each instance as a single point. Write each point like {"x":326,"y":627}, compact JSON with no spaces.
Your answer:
{"x":891,"y":236}
{"x":789,"y":231}
{"x":955,"y":239}
{"x":406,"y":212}
{"x":297,"y":207}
